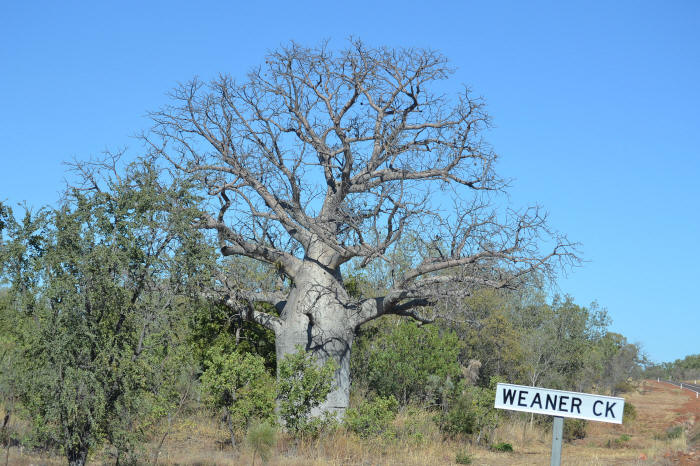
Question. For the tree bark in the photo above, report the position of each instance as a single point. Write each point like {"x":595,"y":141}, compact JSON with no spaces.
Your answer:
{"x":318,"y":318}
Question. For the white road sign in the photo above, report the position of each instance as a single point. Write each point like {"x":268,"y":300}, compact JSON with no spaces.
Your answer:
{"x":559,"y":403}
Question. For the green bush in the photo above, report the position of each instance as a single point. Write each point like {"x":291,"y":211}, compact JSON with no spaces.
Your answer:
{"x":674,"y":432}
{"x":415,"y":426}
{"x":464,"y":458}
{"x":262,"y":437}
{"x":411,"y":362}
{"x":302,"y":386}
{"x":460,"y":419}
{"x":372,"y":417}
{"x":240,"y":385}
{"x":624,"y":386}
{"x":471,"y":413}
{"x":619,"y":442}
{"x":574,"y":429}
{"x":502,"y":447}
{"x":629,"y":413}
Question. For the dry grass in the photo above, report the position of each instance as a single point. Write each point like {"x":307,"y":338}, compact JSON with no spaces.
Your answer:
{"x":415,"y":441}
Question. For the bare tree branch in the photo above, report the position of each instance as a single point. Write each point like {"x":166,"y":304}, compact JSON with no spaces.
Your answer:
{"x":319,"y":158}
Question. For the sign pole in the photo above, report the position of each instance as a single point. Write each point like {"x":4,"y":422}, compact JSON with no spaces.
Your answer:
{"x":557,"y":434}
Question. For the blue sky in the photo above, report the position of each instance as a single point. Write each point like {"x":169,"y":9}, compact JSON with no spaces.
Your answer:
{"x":596,"y":107}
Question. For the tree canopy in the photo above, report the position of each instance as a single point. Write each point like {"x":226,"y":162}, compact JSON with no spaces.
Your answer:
{"x":97,"y":292}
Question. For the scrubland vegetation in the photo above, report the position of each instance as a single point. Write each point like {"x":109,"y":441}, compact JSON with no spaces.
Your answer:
{"x":147,"y":371}
{"x":197,"y":437}
{"x":207,"y":304}
{"x":686,"y":369}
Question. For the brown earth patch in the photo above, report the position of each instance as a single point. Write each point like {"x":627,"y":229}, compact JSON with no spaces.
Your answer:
{"x":689,"y":414}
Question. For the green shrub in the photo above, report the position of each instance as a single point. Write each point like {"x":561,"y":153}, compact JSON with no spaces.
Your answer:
{"x":464,"y":458}
{"x":619,"y":442}
{"x":574,"y":429}
{"x":411,"y":362}
{"x":372,"y":417}
{"x":629,"y":413}
{"x":674,"y":432}
{"x":459,"y":419}
{"x":624,"y":386}
{"x":262,"y":437}
{"x":240,"y":385}
{"x":502,"y":447}
{"x":415,"y":426}
{"x":302,"y":386}
{"x":471,"y":413}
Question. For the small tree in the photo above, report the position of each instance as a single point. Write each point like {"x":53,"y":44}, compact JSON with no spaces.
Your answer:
{"x":239,"y":384}
{"x":619,"y":361}
{"x":95,"y":284}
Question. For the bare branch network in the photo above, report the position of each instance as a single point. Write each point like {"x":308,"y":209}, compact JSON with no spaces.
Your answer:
{"x":326,"y":157}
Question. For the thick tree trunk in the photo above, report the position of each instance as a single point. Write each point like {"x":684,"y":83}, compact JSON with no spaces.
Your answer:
{"x":317,"y":318}
{"x":325,"y":340}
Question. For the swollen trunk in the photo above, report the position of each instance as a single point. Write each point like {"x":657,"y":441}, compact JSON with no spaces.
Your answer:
{"x":317,"y":319}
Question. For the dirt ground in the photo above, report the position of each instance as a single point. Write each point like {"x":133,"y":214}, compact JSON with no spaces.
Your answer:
{"x":690,"y":413}
{"x":665,"y":432}
{"x":661,"y":410}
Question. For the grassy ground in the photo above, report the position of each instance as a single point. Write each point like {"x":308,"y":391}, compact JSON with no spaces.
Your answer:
{"x":665,"y":432}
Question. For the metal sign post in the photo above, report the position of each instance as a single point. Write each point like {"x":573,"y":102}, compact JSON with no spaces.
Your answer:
{"x":559,"y":404}
{"x":557,"y":434}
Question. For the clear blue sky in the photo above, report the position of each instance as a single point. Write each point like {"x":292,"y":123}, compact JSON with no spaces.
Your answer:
{"x":596,"y":106}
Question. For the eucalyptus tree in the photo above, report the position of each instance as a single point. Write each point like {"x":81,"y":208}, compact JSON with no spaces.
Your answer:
{"x":321,"y":158}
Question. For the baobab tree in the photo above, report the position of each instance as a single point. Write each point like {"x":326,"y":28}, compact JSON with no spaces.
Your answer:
{"x":323,"y":157}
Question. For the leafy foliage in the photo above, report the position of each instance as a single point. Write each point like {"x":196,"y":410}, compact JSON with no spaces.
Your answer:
{"x":216,"y":325}
{"x":239,"y":384}
{"x":674,"y":432}
{"x":491,"y":336}
{"x":574,"y":429}
{"x":680,"y":369}
{"x":372,"y":417}
{"x":503,"y":447}
{"x":557,"y":344}
{"x":95,"y":286}
{"x":471,"y":413}
{"x":406,"y":361}
{"x":464,"y":458}
{"x":629,"y":413}
{"x":302,"y":386}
